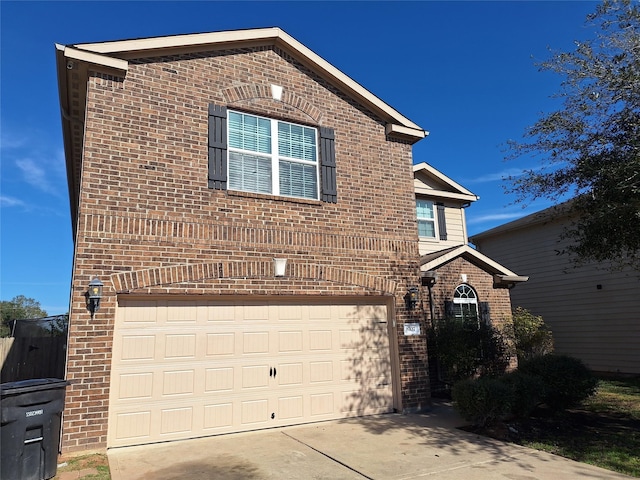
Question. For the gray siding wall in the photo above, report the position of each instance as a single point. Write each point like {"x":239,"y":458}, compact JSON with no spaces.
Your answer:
{"x":599,"y":325}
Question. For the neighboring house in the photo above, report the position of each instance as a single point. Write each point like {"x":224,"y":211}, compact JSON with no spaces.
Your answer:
{"x":592,"y":311}
{"x":199,"y":164}
{"x":193,"y":162}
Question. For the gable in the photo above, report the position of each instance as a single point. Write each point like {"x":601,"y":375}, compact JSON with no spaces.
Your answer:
{"x":503,"y":277}
{"x":113,"y":64}
{"x":429,"y":182}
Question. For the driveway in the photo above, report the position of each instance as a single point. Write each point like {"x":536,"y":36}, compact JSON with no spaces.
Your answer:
{"x":380,"y":447}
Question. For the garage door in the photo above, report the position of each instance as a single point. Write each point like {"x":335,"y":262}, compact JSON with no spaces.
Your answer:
{"x":184,"y":369}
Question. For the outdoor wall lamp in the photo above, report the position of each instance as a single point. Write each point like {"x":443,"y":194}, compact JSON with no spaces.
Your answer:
{"x":279,"y":266}
{"x":411,"y":298}
{"x":94,"y":294}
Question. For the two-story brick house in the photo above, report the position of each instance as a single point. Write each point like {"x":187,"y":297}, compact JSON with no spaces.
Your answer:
{"x":251,"y":212}
{"x":193,"y":162}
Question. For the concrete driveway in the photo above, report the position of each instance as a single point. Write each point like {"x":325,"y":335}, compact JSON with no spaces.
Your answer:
{"x":381,"y":447}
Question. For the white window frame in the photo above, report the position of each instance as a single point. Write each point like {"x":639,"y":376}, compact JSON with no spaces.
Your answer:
{"x":433,"y":219}
{"x":275,"y":158}
{"x":465,"y":299}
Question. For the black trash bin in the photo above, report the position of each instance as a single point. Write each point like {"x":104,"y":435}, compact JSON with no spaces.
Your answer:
{"x":30,"y":428}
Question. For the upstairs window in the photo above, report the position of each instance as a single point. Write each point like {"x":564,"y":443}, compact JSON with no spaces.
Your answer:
{"x":426,"y":219}
{"x":430,"y":214}
{"x":256,"y":154}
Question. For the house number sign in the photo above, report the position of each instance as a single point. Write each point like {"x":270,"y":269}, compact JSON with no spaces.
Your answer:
{"x":412,"y":329}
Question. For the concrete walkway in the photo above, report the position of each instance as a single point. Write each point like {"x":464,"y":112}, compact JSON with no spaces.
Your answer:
{"x":381,"y":447}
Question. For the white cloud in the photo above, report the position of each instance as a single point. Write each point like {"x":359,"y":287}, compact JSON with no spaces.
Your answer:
{"x":493,"y":177}
{"x":11,"y":202}
{"x":35,"y":175}
{"x":492,"y":217}
{"x":10,"y":141}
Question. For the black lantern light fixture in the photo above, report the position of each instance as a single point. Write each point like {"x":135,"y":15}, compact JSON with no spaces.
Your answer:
{"x":94,"y":294}
{"x":411,"y":298}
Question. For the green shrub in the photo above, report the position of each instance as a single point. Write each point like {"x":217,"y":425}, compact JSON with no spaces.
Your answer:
{"x":567,"y":381}
{"x":532,"y":336}
{"x":525,"y":392}
{"x":483,"y":401}
{"x":468,"y":348}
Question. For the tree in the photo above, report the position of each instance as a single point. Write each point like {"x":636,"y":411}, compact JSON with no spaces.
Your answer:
{"x":18,"y":308}
{"x":532,"y":336}
{"x":590,"y":147}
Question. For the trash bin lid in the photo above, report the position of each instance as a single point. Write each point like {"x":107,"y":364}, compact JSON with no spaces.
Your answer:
{"x":31,"y":385}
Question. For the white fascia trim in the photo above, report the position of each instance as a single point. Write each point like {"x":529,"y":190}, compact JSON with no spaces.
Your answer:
{"x":510,"y":278}
{"x":466,"y":249}
{"x":417,"y":132}
{"x":273,"y":34}
{"x":177,"y":41}
{"x":430,"y":192}
{"x":89,"y":57}
{"x":443,"y":178}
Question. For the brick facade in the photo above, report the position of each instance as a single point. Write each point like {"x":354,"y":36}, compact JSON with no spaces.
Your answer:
{"x":148,"y":224}
{"x":499,"y":299}
{"x":450,"y":276}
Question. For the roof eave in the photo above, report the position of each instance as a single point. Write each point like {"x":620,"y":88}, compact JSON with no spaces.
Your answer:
{"x":423,"y":166}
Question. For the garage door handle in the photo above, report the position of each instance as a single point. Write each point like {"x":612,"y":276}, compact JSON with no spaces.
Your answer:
{"x":271,"y":372}
{"x":274,"y":372}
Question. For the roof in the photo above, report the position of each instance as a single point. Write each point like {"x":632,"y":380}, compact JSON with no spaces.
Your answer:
{"x":542,"y":216}
{"x":503,"y":277}
{"x":446,"y":187}
{"x":112,"y":57}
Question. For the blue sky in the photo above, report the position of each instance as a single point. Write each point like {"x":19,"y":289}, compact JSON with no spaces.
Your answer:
{"x":465,"y":71}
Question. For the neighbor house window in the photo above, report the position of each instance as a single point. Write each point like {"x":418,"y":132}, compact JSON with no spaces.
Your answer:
{"x":251,"y":153}
{"x":465,"y":303}
{"x":426,"y":219}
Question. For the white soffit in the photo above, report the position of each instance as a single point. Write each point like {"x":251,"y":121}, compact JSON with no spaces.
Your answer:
{"x":429,"y":170}
{"x":89,"y":57}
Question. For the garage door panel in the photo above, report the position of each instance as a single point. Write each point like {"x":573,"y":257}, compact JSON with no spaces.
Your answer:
{"x":220,"y":344}
{"x":179,"y":382}
{"x":218,"y":380}
{"x":255,"y":376}
{"x":132,"y":426}
{"x":176,"y":420}
{"x":136,"y":386}
{"x":180,"y":346}
{"x":321,"y":340}
{"x":193,"y":368}
{"x":290,"y":341}
{"x":255,"y":342}
{"x":218,"y":416}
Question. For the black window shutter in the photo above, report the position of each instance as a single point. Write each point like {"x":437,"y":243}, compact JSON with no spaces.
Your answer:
{"x":448,"y":309}
{"x":329,"y":190}
{"x":217,"y":147}
{"x":442,"y":223}
{"x":485,"y":312}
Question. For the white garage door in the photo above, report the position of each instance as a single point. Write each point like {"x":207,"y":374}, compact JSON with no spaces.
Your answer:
{"x":184,"y":369}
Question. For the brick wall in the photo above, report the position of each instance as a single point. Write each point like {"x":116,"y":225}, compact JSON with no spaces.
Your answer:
{"x":450,"y":276}
{"x":147,"y":223}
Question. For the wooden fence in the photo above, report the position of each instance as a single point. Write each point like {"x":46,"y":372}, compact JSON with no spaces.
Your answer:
{"x":35,"y":357}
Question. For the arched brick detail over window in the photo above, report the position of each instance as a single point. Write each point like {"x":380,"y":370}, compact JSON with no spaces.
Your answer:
{"x":240,"y":93}
{"x":128,"y":282}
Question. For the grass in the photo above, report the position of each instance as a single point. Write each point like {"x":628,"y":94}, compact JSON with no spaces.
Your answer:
{"x":97,"y":463}
{"x":604,"y":431}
